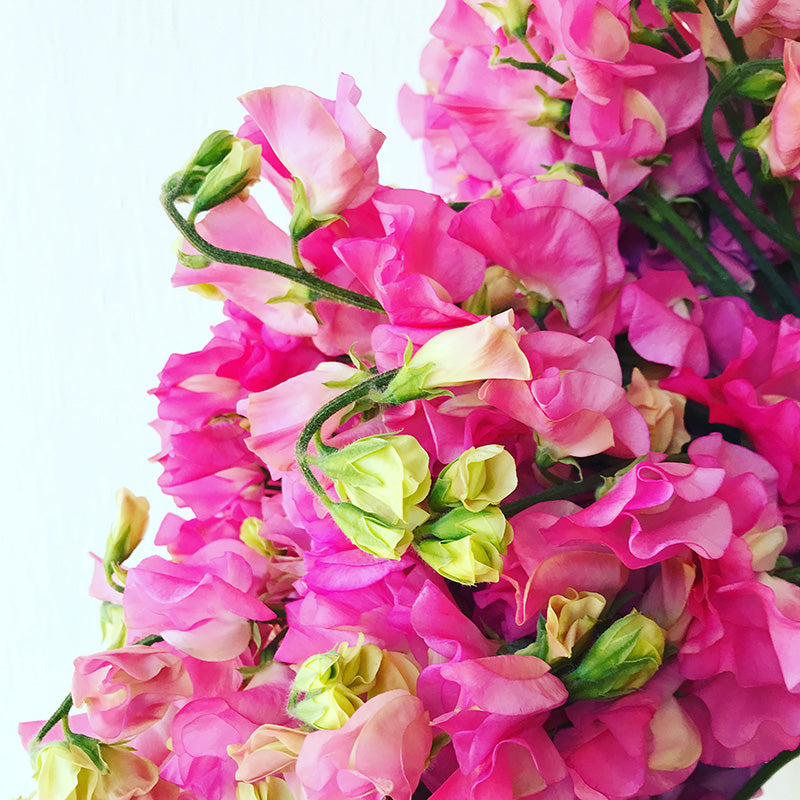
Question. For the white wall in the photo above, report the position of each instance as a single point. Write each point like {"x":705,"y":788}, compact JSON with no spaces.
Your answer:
{"x":102,"y":101}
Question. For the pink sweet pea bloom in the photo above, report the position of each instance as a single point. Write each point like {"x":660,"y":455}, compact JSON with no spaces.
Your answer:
{"x":277,"y":415}
{"x":575,"y":403}
{"x":202,"y":606}
{"x":381,"y":750}
{"x":663,"y":315}
{"x":778,"y":17}
{"x":559,"y":239}
{"x":326,"y":144}
{"x":782,"y":145}
{"x":128,"y":690}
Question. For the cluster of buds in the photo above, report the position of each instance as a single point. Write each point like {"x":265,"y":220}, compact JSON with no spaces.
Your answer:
{"x":388,"y":504}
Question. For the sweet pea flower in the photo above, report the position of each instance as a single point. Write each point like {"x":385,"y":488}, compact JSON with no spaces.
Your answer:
{"x":381,"y":750}
{"x":270,"y":750}
{"x":782,"y":142}
{"x":202,"y":606}
{"x":65,"y":772}
{"x":326,"y":145}
{"x":662,"y":410}
{"x":778,"y":17}
{"x":487,"y":349}
{"x":129,"y":689}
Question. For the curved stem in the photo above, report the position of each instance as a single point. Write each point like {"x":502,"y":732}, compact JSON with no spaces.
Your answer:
{"x":732,"y":42}
{"x":378,"y":382}
{"x":765,"y":773}
{"x":321,"y":288}
{"x":719,"y":94}
{"x":538,"y":66}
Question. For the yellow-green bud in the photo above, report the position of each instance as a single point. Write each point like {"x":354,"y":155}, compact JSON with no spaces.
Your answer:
{"x":112,"y":625}
{"x":384,"y":475}
{"x":213,"y":149}
{"x":270,"y":788}
{"x":232,"y":176}
{"x":359,"y":665}
{"x":127,"y":531}
{"x":319,"y":672}
{"x":370,"y":533}
{"x":479,"y":477}
{"x":468,"y":547}
{"x":554,"y":111}
{"x":571,"y":617}
{"x":622,"y":660}
{"x":250,"y":534}
{"x":327,"y":709}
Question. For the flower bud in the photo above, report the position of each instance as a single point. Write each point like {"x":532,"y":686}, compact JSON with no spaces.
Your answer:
{"x":468,"y":547}
{"x":478,"y":352}
{"x":127,"y":531}
{"x":571,"y":617}
{"x":479,"y":477}
{"x":319,"y":672}
{"x":232,"y":176}
{"x":623,"y":659}
{"x":513,"y":14}
{"x":328,"y":709}
{"x":213,"y":149}
{"x":112,"y":625}
{"x":662,"y":411}
{"x":271,"y":788}
{"x":384,"y":475}
{"x":761,"y":85}
{"x":371,"y":533}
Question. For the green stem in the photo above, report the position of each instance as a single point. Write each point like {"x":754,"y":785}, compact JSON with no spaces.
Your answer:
{"x":59,"y":714}
{"x":696,"y":264}
{"x":719,"y":94}
{"x":561,"y":492}
{"x":323,"y":289}
{"x":722,"y":282}
{"x":378,"y":382}
{"x":785,"y":300}
{"x":538,"y":66}
{"x":765,"y":773}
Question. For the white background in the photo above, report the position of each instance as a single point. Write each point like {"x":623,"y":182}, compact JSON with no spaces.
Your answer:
{"x":101,"y":101}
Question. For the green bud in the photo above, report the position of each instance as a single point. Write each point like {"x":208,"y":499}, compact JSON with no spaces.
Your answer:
{"x":384,"y":475}
{"x":554,"y":110}
{"x":468,"y":547}
{"x":126,"y":533}
{"x":622,"y":660}
{"x":213,"y":149}
{"x":270,"y":788}
{"x":112,"y":625}
{"x":762,"y":85}
{"x":479,"y":477}
{"x":232,"y":176}
{"x":319,"y":672}
{"x":370,"y":533}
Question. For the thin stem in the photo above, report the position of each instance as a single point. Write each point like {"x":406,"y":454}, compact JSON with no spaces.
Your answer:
{"x":782,"y":295}
{"x":378,"y":382}
{"x":561,"y":492}
{"x":765,"y":773}
{"x":719,"y":94}
{"x":321,"y":288}
{"x":538,"y":66}
{"x":529,"y":47}
{"x":59,"y":714}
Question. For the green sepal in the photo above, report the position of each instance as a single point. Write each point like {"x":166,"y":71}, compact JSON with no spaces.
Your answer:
{"x":302,"y":222}
{"x":90,"y":746}
{"x":539,"y":647}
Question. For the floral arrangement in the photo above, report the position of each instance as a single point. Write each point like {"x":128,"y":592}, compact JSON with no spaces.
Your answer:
{"x":495,"y":492}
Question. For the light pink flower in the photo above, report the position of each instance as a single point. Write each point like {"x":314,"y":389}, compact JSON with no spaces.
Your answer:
{"x":128,"y":690}
{"x":326,"y":144}
{"x":782,"y":145}
{"x":381,"y":750}
{"x":778,"y":17}
{"x":202,"y":606}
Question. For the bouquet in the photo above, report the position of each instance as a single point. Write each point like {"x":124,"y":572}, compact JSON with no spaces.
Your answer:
{"x":494,"y":492}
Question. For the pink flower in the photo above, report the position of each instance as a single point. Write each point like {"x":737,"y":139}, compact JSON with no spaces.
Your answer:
{"x":557,"y":238}
{"x":779,"y":17}
{"x":381,"y":750}
{"x":203,"y":606}
{"x":204,"y":728}
{"x":575,"y":403}
{"x":128,"y":690}
{"x":326,"y":144}
{"x":782,"y":145}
